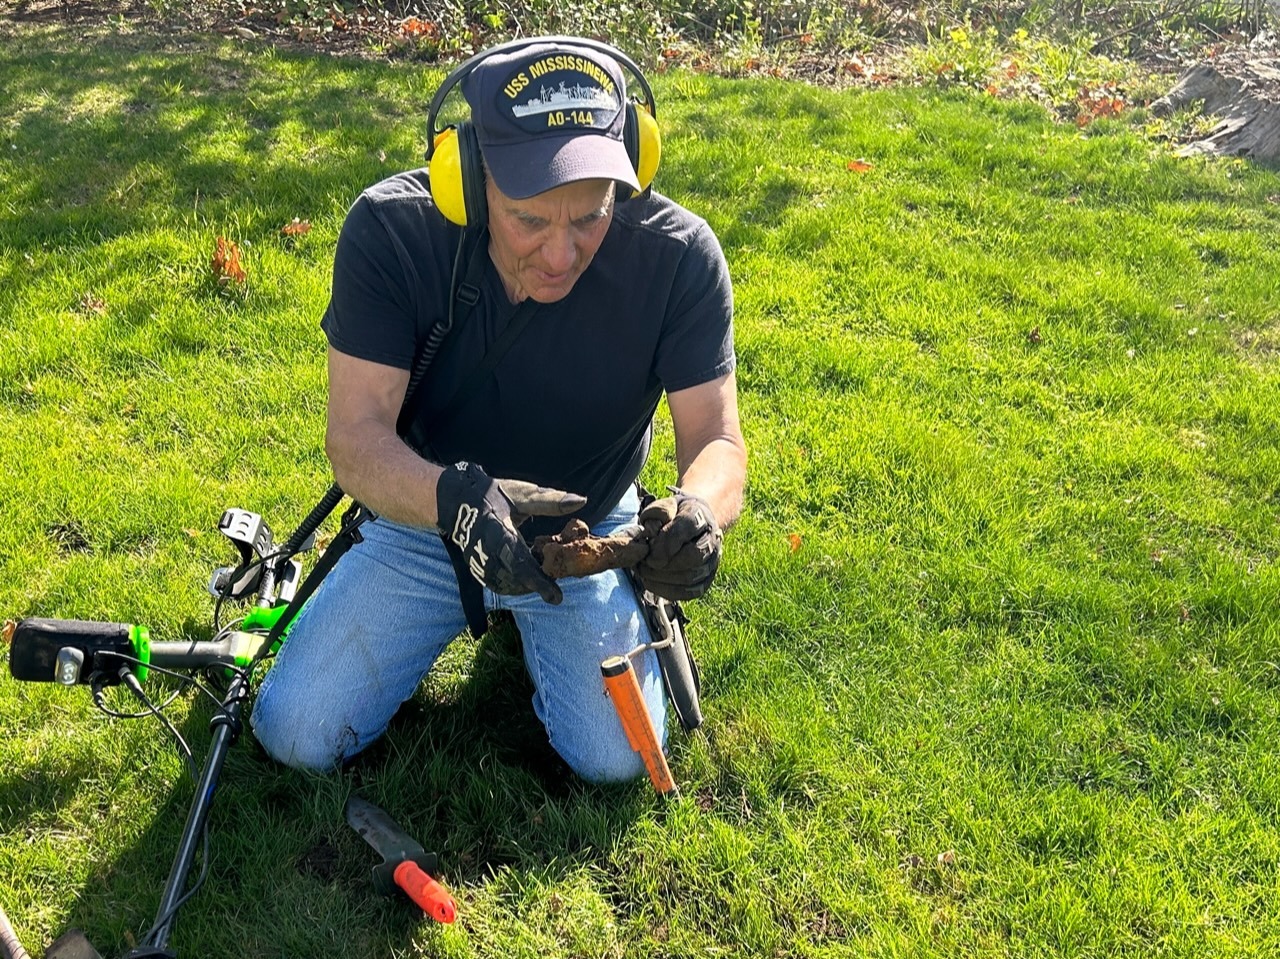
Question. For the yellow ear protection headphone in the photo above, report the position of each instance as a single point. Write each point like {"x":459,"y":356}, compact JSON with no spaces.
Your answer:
{"x":453,"y":153}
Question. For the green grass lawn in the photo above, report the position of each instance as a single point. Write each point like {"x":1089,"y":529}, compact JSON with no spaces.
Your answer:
{"x":992,"y":665}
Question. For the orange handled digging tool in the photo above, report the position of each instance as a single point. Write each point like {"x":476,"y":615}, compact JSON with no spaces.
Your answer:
{"x":679,"y":676}
{"x":624,"y":689}
{"x":405,"y":864}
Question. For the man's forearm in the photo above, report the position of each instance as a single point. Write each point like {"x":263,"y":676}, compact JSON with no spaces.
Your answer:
{"x":717,"y":474}
{"x":374,"y":466}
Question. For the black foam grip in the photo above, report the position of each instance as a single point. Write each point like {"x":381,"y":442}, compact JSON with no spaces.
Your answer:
{"x":33,"y":652}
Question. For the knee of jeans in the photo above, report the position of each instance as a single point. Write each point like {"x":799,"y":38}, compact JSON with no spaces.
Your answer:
{"x":602,"y":761}
{"x":618,"y":767}
{"x":296,"y":743}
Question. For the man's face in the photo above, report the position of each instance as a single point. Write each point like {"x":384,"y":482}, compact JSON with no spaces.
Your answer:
{"x":541,"y":245}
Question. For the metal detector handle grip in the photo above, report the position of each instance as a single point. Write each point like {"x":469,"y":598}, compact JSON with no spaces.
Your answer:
{"x":624,"y":689}
{"x":426,"y":892}
{"x":37,"y":645}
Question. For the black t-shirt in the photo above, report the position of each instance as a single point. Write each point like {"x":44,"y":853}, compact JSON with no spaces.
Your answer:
{"x":571,"y":403}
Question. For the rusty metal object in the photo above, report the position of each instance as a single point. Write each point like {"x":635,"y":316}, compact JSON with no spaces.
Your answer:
{"x":575,"y":552}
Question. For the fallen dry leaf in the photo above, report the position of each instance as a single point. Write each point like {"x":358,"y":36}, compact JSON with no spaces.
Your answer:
{"x":795,"y":541}
{"x":1095,"y":103}
{"x":296,"y":228}
{"x":860,"y":166}
{"x":226,"y":262}
{"x":417,"y":27}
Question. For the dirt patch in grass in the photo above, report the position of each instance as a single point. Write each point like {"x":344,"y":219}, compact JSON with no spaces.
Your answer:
{"x":1260,"y":346}
{"x":320,"y":861}
{"x":69,"y":538}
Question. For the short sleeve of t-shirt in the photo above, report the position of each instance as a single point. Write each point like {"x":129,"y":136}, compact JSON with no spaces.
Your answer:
{"x":696,"y":345}
{"x":390,"y":274}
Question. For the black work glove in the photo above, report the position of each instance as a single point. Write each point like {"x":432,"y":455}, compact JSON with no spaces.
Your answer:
{"x":685,"y":552}
{"x":480,"y":515}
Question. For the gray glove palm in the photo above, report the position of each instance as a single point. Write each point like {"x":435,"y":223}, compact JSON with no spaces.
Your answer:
{"x":684,"y":554}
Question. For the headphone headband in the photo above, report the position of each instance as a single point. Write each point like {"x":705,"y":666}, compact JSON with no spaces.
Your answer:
{"x":461,"y":71}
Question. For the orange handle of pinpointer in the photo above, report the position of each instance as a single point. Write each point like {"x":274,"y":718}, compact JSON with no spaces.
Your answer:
{"x":425,"y":891}
{"x":624,"y":689}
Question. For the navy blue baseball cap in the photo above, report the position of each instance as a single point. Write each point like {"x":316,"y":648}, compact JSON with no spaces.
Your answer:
{"x":547,"y":115}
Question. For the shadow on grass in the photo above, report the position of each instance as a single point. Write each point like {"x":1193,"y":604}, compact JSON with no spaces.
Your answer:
{"x":103,"y":137}
{"x":472,"y":778}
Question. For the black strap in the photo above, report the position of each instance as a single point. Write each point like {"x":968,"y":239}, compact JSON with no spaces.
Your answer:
{"x":463,"y":297}
{"x":469,"y":589}
{"x":348,"y":536}
{"x":468,"y":291}
{"x":415,"y":429}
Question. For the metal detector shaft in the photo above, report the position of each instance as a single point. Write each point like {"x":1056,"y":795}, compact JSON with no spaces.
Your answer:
{"x":10,"y":947}
{"x":236,"y":650}
{"x":226,"y":729}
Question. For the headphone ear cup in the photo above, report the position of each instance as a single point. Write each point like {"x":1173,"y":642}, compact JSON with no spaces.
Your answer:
{"x":457,"y":176}
{"x":644,"y":144}
{"x":446,"y":176}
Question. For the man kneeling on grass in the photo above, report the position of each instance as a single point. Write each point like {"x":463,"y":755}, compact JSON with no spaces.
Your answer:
{"x":630,"y":298}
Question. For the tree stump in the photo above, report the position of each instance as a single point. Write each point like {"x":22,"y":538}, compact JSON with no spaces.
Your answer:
{"x":1241,"y":89}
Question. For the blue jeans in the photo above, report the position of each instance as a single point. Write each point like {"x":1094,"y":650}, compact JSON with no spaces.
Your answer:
{"x":386,"y":612}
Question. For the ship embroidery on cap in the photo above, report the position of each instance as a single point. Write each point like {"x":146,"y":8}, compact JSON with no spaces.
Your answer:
{"x":561,"y":91}
{"x":566,"y":97}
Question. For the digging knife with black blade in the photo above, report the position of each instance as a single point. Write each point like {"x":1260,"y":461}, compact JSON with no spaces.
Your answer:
{"x":405,"y":863}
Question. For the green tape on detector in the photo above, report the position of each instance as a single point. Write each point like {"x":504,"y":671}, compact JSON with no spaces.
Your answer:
{"x":140,"y":637}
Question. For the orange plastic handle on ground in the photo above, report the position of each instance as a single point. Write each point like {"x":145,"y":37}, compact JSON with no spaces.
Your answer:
{"x":425,"y":891}
{"x":624,"y":689}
